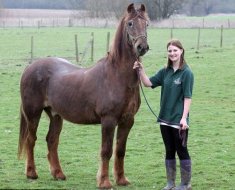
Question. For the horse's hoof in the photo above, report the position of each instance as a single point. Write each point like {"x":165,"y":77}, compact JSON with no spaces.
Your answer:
{"x":31,"y":174}
{"x":32,"y":177}
{"x":58,"y":175}
{"x":105,"y":185}
{"x":123,"y":181}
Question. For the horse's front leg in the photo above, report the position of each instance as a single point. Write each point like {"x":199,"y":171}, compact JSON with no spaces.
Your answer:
{"x":52,"y":144}
{"x":108,"y":128}
{"x":122,"y":133}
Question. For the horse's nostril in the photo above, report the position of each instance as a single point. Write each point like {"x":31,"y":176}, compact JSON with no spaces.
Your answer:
{"x":140,"y":48}
{"x":147,"y":47}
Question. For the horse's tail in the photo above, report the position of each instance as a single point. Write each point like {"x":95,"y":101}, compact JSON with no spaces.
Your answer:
{"x":23,"y":133}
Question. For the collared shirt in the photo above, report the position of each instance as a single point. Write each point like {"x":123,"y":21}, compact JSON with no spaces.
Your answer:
{"x":175,"y":86}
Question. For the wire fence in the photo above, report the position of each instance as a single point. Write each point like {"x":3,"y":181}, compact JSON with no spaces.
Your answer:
{"x":177,"y":22}
{"x":86,"y":54}
{"x":84,"y":46}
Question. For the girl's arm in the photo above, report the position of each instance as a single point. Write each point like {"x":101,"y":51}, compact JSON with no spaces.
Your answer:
{"x":143,"y":77}
{"x":183,"y":121}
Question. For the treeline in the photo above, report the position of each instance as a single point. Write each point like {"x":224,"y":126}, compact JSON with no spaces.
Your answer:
{"x":157,"y":9}
{"x":36,"y":4}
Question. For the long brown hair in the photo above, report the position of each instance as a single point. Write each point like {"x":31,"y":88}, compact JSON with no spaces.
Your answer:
{"x":177,"y":43}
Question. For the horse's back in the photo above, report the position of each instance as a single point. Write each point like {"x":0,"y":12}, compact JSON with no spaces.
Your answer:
{"x":36,"y":76}
{"x":42,"y":69}
{"x":52,"y":65}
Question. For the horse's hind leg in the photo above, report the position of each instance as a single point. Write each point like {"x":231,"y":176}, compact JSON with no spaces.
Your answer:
{"x":52,"y":144}
{"x":32,"y":125}
{"x":122,"y":133}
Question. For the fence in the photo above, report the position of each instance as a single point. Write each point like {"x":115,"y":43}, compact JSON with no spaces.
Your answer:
{"x":94,"y":22}
{"x":78,"y":58}
{"x":66,"y":18}
{"x":86,"y":45}
{"x":80,"y":54}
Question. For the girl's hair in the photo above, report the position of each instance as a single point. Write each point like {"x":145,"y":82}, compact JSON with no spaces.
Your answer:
{"x":177,"y":43}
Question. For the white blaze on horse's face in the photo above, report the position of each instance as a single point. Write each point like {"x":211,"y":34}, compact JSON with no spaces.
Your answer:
{"x":137,"y":30}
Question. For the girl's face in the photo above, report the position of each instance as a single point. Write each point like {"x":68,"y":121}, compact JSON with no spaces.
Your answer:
{"x":174,"y":53}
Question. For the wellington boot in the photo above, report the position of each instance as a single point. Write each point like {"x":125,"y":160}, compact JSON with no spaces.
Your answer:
{"x":170,"y":174}
{"x":185,"y":170}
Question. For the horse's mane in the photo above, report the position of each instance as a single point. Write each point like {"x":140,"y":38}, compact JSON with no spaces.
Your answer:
{"x":120,"y":39}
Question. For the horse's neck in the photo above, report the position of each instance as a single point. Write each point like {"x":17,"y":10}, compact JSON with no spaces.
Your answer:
{"x":127,"y":74}
{"x":123,"y":59}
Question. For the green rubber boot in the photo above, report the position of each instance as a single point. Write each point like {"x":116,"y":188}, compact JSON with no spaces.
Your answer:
{"x":170,"y":174}
{"x":185,"y":170}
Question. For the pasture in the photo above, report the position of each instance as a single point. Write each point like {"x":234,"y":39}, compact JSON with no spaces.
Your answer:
{"x":211,"y":137}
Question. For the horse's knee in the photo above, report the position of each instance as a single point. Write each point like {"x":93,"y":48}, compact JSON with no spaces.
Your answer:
{"x":120,"y":152}
{"x":106,"y":152}
{"x":50,"y":140}
{"x":108,"y":128}
{"x":31,"y":139}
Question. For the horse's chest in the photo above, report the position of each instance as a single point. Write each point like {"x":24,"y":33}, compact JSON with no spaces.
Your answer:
{"x":132,"y":100}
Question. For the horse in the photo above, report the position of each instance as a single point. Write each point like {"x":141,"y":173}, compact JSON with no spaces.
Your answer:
{"x":106,"y":93}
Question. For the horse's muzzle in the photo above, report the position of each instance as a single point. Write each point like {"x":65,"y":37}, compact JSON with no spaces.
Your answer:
{"x":142,"y":49}
{"x":141,"y":46}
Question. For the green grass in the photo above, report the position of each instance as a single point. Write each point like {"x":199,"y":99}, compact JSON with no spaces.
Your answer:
{"x":211,"y":138}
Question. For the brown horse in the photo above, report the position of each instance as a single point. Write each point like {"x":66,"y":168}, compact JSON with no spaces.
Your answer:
{"x":106,"y":94}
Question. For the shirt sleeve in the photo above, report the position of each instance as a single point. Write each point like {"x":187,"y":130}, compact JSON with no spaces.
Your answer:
{"x":188,"y":84}
{"x":157,"y":79}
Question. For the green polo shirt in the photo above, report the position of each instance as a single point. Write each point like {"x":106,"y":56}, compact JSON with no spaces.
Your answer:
{"x":175,"y":86}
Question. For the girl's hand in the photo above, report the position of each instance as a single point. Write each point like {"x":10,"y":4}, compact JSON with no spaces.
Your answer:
{"x":138,"y":65}
{"x":183,"y":124}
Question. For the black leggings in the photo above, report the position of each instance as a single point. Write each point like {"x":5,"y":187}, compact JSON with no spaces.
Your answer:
{"x":173,"y":143}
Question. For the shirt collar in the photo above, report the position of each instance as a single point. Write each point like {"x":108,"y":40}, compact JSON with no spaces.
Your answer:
{"x":183,"y":68}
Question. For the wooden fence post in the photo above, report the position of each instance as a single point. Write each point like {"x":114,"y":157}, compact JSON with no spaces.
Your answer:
{"x":173,"y":23}
{"x":3,"y":24}
{"x":108,"y":39}
{"x":39,"y":24}
{"x":171,"y":33}
{"x":198,"y":38}
{"x":221,"y":36}
{"x":76,"y":48}
{"x":32,"y":46}
{"x":70,"y":22}
{"x":92,"y":46}
{"x":53,"y":23}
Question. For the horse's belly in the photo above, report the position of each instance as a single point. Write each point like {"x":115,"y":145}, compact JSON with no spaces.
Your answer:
{"x":75,"y":116}
{"x":82,"y":120}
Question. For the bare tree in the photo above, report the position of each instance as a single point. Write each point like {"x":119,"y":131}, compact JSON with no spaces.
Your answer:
{"x":118,"y":7}
{"x":76,"y":4}
{"x":208,"y":6}
{"x":204,"y":7}
{"x":162,"y":9}
{"x":1,"y":8}
{"x":106,"y":8}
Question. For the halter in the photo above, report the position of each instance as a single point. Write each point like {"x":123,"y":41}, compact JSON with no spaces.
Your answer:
{"x":132,"y":38}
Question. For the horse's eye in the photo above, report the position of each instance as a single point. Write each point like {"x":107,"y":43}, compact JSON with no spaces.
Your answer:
{"x":130,"y":23}
{"x":147,"y":24}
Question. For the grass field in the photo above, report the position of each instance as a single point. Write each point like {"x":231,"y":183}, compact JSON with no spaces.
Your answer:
{"x":211,"y":139}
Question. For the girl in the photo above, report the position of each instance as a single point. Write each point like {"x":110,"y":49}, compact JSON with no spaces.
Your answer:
{"x":176,"y":81}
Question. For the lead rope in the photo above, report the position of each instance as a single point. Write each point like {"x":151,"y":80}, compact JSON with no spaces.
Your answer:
{"x":182,"y":133}
{"x":142,"y":90}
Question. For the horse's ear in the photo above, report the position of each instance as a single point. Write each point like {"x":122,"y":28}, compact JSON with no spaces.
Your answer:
{"x":131,"y":8}
{"x":142,"y":8}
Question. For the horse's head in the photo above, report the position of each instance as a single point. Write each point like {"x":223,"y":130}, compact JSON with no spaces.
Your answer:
{"x":136,"y":29}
